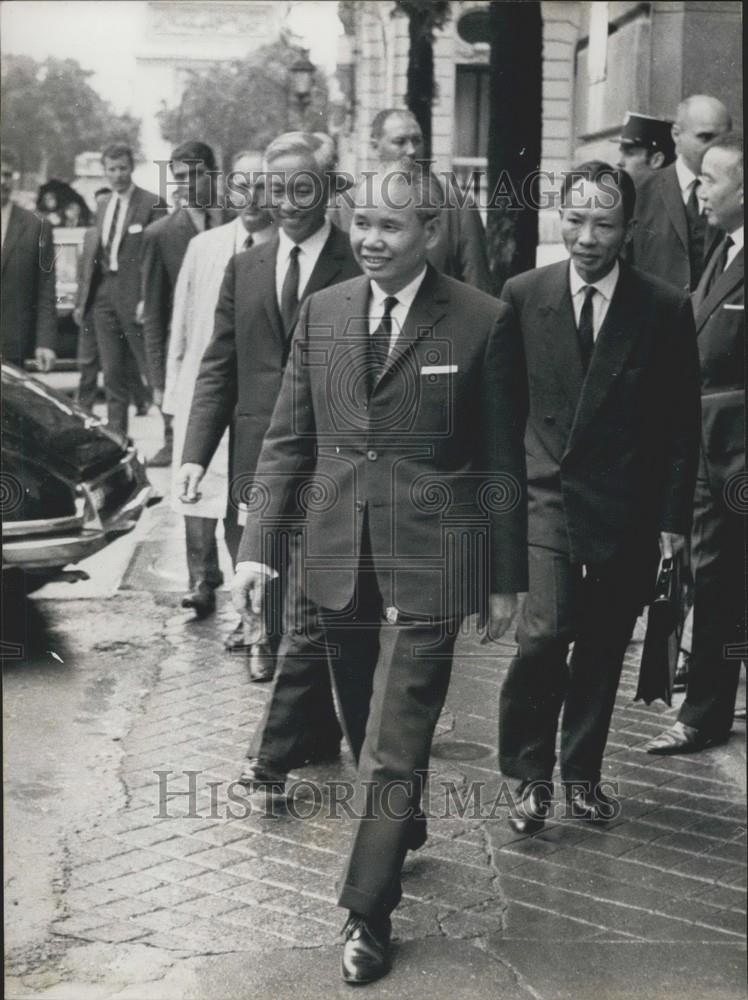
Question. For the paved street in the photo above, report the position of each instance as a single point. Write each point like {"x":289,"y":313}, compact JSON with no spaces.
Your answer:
{"x":118,"y":888}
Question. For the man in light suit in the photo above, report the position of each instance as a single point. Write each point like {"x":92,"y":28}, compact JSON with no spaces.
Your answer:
{"x":400,"y":420}
{"x":671,"y":233}
{"x":240,"y":378}
{"x":718,"y":542}
{"x":612,"y":446}
{"x":28,"y":315}
{"x":193,"y":167}
{"x":110,"y":280}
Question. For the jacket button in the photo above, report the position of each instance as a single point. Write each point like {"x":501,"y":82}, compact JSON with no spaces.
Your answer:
{"x":372,"y":455}
{"x":549,"y":420}
{"x":360,"y":505}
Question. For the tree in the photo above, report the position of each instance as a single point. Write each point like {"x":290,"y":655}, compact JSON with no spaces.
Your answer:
{"x":51,"y":113}
{"x":244,"y":104}
{"x":514,"y":136}
{"x":424,"y":17}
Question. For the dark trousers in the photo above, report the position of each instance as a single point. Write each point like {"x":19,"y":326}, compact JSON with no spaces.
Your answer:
{"x":119,"y":340}
{"x":202,"y":551}
{"x":719,"y":613}
{"x":89,"y":367}
{"x":596,"y":611}
{"x":391,"y":681}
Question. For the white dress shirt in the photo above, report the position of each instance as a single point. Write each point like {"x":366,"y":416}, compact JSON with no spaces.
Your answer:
{"x":686,"y":180}
{"x":600,"y":302}
{"x":124,"y":200}
{"x":310,"y":249}
{"x":737,"y":246}
{"x":399,"y":313}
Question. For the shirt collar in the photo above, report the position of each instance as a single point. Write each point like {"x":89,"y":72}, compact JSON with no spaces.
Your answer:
{"x":737,"y":238}
{"x":404,"y":297}
{"x":605,"y":286}
{"x":312,"y":244}
{"x":685,"y":175}
{"x":124,"y":195}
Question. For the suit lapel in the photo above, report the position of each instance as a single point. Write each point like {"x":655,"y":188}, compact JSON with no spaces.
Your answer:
{"x":673,"y":199}
{"x":131,"y":208}
{"x":328,"y":265}
{"x":726,"y":283}
{"x":557,"y":333}
{"x":614,"y":343}
{"x":267,"y":253}
{"x":427,"y":309}
{"x":15,"y":228}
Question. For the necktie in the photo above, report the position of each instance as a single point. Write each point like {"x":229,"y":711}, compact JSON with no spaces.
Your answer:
{"x":586,"y":326}
{"x":208,"y":220}
{"x":720,"y":263}
{"x":290,"y":290}
{"x":248,"y":242}
{"x":696,"y":235}
{"x":379,"y":343}
{"x":110,"y":236}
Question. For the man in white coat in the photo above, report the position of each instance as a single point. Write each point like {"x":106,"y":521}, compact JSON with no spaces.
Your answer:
{"x":195,"y":299}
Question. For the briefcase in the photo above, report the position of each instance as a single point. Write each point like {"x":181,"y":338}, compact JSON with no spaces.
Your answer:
{"x":667,"y":614}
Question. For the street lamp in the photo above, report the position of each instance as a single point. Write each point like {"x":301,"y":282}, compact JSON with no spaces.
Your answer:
{"x":302,"y":74}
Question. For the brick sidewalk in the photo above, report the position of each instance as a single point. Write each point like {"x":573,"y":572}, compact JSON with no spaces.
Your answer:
{"x":670,"y":868}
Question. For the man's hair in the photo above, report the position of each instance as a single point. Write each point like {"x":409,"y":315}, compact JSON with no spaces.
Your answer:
{"x":684,"y":108}
{"x":732,"y":141}
{"x":428,"y":193}
{"x":318,"y":146}
{"x":381,"y":117}
{"x":605,"y":176}
{"x":115,"y":150}
{"x":194,"y":150}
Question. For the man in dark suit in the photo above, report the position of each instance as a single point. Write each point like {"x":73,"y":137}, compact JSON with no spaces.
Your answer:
{"x":110,"y":280}
{"x":612,"y":444}
{"x":718,"y":543}
{"x":239,"y":381}
{"x":193,"y":167}
{"x":28,"y":314}
{"x":400,"y":420}
{"x":671,"y":232}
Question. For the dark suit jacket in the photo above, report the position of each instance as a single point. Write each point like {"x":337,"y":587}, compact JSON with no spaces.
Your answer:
{"x":242,"y":367}
{"x":28,"y":312}
{"x":720,"y":328}
{"x":611,"y":458}
{"x":144,"y":208}
{"x":164,"y":247}
{"x":660,"y":243}
{"x":434,"y":460}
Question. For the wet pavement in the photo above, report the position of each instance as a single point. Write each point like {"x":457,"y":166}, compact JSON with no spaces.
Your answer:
{"x":135,"y":869}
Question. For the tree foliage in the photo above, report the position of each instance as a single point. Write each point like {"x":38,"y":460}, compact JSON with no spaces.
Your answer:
{"x":244,"y":104}
{"x":51,"y":113}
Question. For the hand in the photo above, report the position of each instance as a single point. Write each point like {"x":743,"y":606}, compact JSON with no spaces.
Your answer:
{"x":248,"y":589}
{"x":671,"y":545}
{"x":78,"y":316}
{"x":501,"y":611}
{"x":189,"y":478}
{"x":45,"y":358}
{"x":139,"y":308}
{"x":158,"y":397}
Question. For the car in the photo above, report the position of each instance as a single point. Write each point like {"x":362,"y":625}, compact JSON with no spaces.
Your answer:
{"x":69,"y":484}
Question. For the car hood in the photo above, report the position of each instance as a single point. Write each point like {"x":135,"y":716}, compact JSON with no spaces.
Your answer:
{"x":43,"y":425}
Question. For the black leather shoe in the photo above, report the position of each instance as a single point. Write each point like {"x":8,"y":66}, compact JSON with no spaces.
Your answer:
{"x":683,"y":739}
{"x":322,"y":754}
{"x":530,"y":811}
{"x":261,"y":663}
{"x":366,"y":945}
{"x":587,"y":801}
{"x":141,"y":410}
{"x":162,"y":458}
{"x":202,"y":600}
{"x":260,"y":777}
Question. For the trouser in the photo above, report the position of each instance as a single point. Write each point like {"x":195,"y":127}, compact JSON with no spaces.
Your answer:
{"x":202,"y":551}
{"x":595,"y":610}
{"x":118,"y":338}
{"x":719,"y":613}
{"x":391,"y":681}
{"x":89,"y":367}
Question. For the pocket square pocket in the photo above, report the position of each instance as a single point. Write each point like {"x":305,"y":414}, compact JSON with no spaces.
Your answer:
{"x":438,"y":369}
{"x":135,"y":228}
{"x":735,"y":306}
